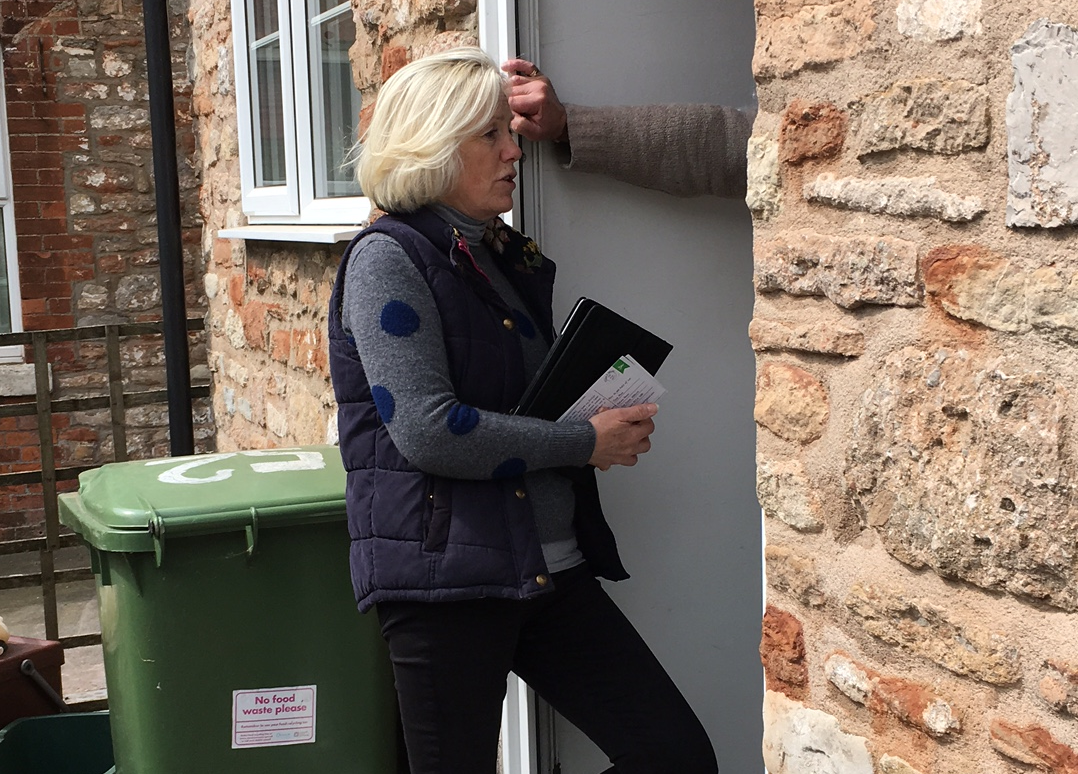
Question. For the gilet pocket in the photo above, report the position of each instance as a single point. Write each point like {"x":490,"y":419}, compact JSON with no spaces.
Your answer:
{"x":436,"y":529}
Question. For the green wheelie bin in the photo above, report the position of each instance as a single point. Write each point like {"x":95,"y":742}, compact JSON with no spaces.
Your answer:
{"x":232,"y":644}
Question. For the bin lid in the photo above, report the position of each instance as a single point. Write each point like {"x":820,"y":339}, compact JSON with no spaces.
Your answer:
{"x":130,"y":506}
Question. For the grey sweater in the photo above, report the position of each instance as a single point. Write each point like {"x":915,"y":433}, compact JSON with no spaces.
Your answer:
{"x":684,"y":150}
{"x":415,"y":369}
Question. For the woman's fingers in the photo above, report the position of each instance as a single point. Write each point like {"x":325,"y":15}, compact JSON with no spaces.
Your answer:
{"x":622,"y":435}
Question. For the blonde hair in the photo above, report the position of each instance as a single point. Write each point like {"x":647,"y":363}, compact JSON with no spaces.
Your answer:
{"x":408,"y":155}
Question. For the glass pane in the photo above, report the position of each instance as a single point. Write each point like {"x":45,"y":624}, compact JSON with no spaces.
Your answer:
{"x":335,"y":101}
{"x":5,"y":298}
{"x":264,"y":19}
{"x":268,"y":120}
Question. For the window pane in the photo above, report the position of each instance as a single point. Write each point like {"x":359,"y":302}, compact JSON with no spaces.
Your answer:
{"x":264,"y":20}
{"x":267,"y":93}
{"x":5,"y":297}
{"x":269,"y":115}
{"x":335,"y":101}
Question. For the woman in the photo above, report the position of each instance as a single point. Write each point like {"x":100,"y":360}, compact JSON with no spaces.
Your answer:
{"x":477,"y":534}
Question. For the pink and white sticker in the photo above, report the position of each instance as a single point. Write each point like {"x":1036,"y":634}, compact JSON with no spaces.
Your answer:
{"x":271,"y":717}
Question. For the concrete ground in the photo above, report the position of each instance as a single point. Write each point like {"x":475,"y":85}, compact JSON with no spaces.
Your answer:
{"x":83,"y":673}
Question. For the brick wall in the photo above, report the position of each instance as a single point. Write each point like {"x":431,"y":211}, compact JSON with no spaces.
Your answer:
{"x":915,"y":195}
{"x":268,"y":301}
{"x":77,"y":103}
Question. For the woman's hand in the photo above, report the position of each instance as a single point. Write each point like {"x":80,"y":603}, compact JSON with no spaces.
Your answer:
{"x":621,"y":435}
{"x":537,"y":112}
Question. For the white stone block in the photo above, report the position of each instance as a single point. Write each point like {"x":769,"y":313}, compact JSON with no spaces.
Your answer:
{"x":18,"y":380}
{"x":1042,"y":143}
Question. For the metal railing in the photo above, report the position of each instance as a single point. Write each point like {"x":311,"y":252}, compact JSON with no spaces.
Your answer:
{"x":44,"y":407}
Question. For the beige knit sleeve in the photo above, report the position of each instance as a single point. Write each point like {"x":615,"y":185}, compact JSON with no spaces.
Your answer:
{"x":684,"y":150}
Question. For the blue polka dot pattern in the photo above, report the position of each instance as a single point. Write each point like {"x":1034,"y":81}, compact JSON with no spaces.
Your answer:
{"x":524,"y":325}
{"x":383,"y":401}
{"x":399,"y":319}
{"x":462,"y":419}
{"x":511,"y":468}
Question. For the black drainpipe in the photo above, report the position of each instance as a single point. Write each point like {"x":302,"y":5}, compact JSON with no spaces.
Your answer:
{"x":170,"y":243}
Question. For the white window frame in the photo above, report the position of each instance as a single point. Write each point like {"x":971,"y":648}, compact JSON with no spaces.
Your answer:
{"x":293,"y":203}
{"x":498,"y":37}
{"x":13,"y":354}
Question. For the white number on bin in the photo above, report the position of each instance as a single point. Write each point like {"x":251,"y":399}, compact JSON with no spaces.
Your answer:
{"x":301,"y":460}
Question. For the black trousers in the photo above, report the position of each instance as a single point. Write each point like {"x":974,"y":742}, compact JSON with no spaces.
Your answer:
{"x":574,"y":647}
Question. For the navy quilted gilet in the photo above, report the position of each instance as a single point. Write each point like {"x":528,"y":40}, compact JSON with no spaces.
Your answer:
{"x":417,"y":536}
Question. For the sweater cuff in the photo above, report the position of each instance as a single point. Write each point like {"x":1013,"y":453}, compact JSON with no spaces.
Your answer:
{"x":573,"y":443}
{"x":589,"y":135}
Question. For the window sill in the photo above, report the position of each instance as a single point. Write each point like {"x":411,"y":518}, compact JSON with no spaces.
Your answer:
{"x":326,"y":235}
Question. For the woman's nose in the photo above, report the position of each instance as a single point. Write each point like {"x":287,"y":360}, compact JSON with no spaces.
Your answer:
{"x":512,"y":151}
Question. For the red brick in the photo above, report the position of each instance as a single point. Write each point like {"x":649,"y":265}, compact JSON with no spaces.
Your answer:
{"x":24,"y":142}
{"x":33,"y":192}
{"x":50,"y":177}
{"x":40,"y":159}
{"x":33,"y":305}
{"x":19,"y":108}
{"x":782,"y":652}
{"x":71,"y":140}
{"x":54,"y":210}
{"x":237,"y":285}
{"x":67,"y":27}
{"x":393,"y":59}
{"x":43,"y":226}
{"x":45,"y":109}
{"x":22,"y":438}
{"x":49,"y":322}
{"x":73,"y":125}
{"x":68,"y":242}
{"x":24,"y":210}
{"x":31,"y":126}
{"x":309,"y":354}
{"x":811,"y":131}
{"x":80,"y":434}
{"x":255,"y":324}
{"x":116,"y":43}
{"x":365,"y":114}
{"x":61,"y":305}
{"x":280,"y":345}
{"x":1034,"y":746}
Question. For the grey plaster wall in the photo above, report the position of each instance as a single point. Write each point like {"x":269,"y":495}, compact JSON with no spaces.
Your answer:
{"x":686,"y":517}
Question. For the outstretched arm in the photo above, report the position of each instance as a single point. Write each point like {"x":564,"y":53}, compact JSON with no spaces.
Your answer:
{"x":684,"y":150}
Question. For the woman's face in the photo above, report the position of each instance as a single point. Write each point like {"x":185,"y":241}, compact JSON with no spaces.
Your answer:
{"x":485,"y":187}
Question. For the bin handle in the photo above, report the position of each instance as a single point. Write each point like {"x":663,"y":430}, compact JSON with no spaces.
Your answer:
{"x":27,"y":668}
{"x":251,"y":530}
{"x":156,"y":528}
{"x":248,"y":519}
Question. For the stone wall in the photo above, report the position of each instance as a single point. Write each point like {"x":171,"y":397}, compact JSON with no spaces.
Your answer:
{"x":78,"y":121}
{"x":914,"y":183}
{"x":268,"y":301}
